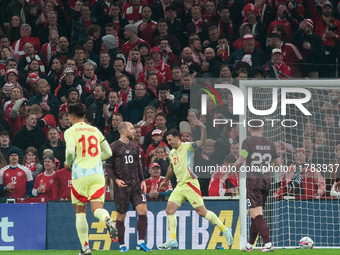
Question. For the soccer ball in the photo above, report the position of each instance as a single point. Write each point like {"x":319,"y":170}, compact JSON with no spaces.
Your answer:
{"x":306,"y":243}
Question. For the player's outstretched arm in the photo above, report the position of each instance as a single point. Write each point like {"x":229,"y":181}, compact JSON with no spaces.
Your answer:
{"x":70,"y":148}
{"x":239,"y":162}
{"x":203,"y":140}
{"x":106,"y":150}
{"x":169,"y":174}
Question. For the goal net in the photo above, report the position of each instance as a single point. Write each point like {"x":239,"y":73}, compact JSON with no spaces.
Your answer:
{"x":303,"y":121}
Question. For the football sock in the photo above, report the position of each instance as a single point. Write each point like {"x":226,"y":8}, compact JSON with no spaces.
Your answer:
{"x":213,"y":219}
{"x":262,"y":228}
{"x":82,"y":229}
{"x":121,"y":231}
{"x":142,"y":224}
{"x":253,"y":232}
{"x":172,"y":224}
{"x":101,"y":214}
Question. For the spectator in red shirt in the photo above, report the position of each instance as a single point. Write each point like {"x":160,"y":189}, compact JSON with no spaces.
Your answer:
{"x":72,"y":95}
{"x":168,"y":57}
{"x":283,"y":19}
{"x":154,"y":192}
{"x":88,"y":82}
{"x":280,"y":66}
{"x":245,"y":29}
{"x":25,"y":33}
{"x":133,"y":11}
{"x":301,"y":180}
{"x":149,"y":70}
{"x":149,"y":120}
{"x":79,"y":57}
{"x":48,"y":50}
{"x":43,"y":186}
{"x":130,"y":33}
{"x":156,"y":137}
{"x":18,"y":112}
{"x":291,"y":54}
{"x":224,"y":50}
{"x":224,"y":180}
{"x":251,"y":14}
{"x":125,"y":93}
{"x":196,"y":48}
{"x":160,"y":66}
{"x":15,"y":180}
{"x":31,"y":161}
{"x":62,"y":184}
{"x":146,"y":27}
{"x":11,"y":78}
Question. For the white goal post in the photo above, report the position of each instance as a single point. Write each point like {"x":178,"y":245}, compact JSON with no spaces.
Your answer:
{"x":290,"y":219}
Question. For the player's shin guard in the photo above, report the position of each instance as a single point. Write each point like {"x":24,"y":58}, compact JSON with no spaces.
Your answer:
{"x":101,"y":214}
{"x":142,"y":224}
{"x":253,"y":232}
{"x":172,"y":224}
{"x":82,"y":229}
{"x":213,"y":219}
{"x":262,"y":228}
{"x":121,"y":231}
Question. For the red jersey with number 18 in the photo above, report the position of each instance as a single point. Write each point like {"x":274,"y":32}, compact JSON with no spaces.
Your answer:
{"x":87,"y":140}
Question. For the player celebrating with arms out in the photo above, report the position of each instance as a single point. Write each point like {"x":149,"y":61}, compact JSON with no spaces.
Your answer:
{"x":188,"y":188}
{"x":258,"y":152}
{"x":87,"y":147}
{"x":125,"y":169}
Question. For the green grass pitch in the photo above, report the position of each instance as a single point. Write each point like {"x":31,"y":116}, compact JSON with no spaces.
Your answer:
{"x":179,"y":252}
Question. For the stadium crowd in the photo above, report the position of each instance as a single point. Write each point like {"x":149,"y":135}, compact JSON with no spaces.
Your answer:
{"x":136,"y":60}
